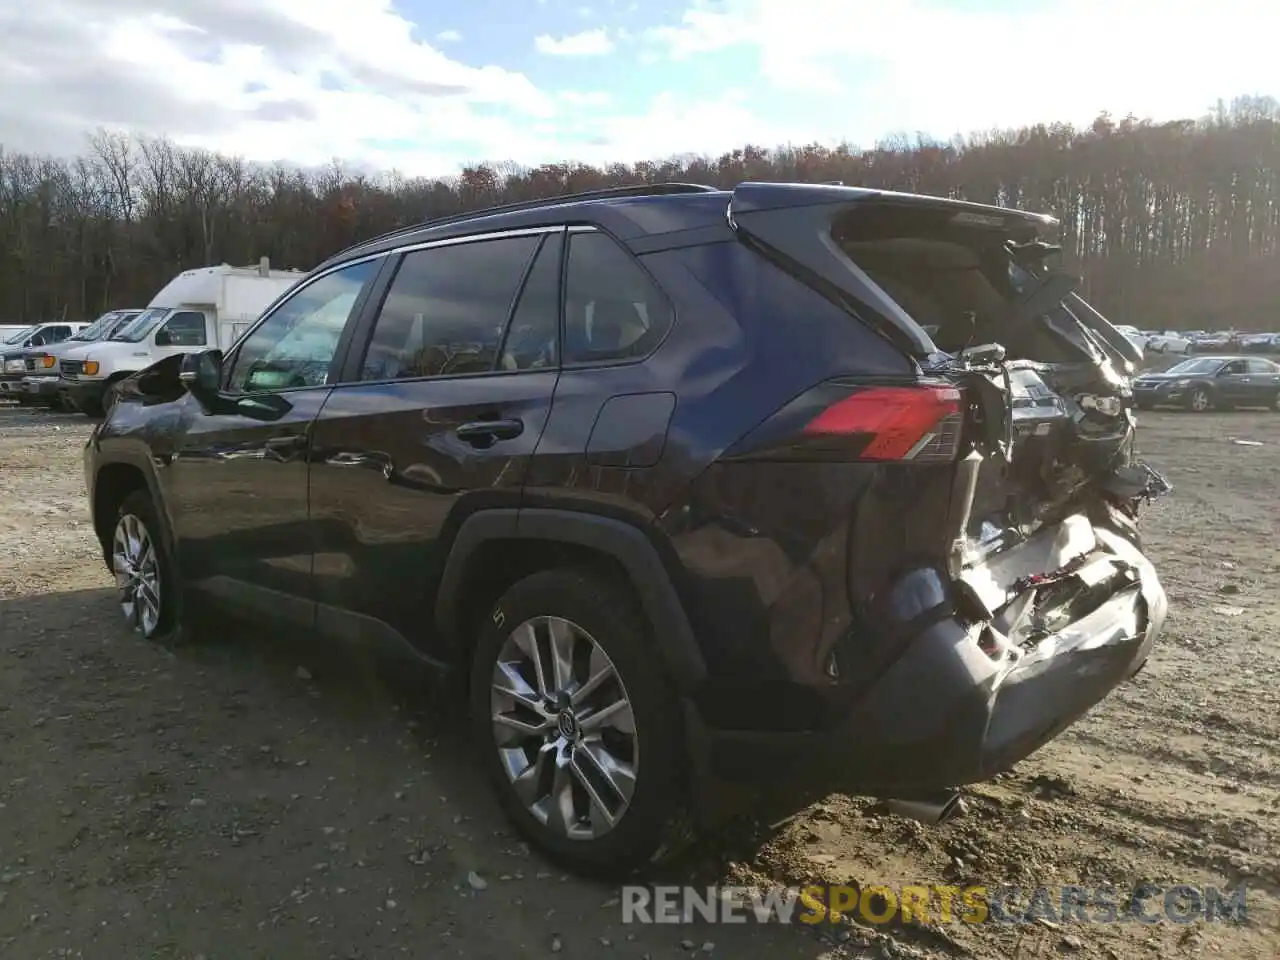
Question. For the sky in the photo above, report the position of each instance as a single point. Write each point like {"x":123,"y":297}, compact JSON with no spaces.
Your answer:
{"x":425,"y":86}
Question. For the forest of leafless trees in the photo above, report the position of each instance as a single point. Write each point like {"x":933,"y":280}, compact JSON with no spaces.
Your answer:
{"x":1173,"y":225}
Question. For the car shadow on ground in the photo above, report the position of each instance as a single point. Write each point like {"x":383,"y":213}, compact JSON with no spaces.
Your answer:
{"x":316,"y":773}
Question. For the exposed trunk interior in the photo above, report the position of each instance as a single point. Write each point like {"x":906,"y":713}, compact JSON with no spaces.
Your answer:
{"x":1051,"y":390}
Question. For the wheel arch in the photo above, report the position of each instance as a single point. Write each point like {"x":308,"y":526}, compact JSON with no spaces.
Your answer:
{"x":114,"y":478}
{"x":493,"y":548}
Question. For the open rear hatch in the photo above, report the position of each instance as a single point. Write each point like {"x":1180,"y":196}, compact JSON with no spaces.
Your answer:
{"x":972,"y":294}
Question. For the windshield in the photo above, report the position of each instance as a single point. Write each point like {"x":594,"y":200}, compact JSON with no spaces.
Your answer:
{"x":95,"y":330}
{"x":21,"y":334}
{"x":1199,"y":365}
{"x":141,"y":325}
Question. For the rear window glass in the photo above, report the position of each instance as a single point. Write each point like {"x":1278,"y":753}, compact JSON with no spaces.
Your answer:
{"x":959,"y":283}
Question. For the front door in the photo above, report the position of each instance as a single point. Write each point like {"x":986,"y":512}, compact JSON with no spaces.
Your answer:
{"x":1233,"y":382}
{"x":440,"y":414}
{"x":236,"y":482}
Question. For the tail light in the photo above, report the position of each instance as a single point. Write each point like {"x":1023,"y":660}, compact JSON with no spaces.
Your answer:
{"x":916,"y":423}
{"x":897,"y":423}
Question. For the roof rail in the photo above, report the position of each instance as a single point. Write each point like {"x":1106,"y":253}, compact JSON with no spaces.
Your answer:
{"x":631,"y":190}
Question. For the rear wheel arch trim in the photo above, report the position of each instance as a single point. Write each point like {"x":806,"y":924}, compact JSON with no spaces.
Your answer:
{"x":672,"y":633}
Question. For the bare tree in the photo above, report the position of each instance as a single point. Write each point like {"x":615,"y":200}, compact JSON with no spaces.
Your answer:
{"x":1173,"y":224}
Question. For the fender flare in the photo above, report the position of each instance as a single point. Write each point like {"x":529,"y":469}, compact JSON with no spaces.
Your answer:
{"x":139,"y":461}
{"x":672,"y":633}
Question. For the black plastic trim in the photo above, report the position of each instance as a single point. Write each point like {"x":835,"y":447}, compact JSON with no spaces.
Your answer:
{"x":630,"y":546}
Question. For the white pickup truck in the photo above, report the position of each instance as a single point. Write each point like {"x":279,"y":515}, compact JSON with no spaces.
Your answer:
{"x":197,"y":310}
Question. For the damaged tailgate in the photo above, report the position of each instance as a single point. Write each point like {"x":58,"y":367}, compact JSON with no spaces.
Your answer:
{"x":1044,"y":545}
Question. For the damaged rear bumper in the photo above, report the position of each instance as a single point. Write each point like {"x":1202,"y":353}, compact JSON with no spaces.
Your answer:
{"x":1025,"y":644}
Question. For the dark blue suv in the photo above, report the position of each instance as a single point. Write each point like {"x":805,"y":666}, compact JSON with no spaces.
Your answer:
{"x":791,"y":485}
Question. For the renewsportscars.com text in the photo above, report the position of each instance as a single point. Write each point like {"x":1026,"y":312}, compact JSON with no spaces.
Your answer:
{"x":934,"y":903}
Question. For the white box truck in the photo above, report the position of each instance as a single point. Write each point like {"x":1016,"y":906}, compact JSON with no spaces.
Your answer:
{"x":198,"y":309}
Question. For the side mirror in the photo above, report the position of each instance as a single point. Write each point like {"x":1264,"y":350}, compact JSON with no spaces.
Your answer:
{"x":201,"y":373}
{"x":164,"y":338}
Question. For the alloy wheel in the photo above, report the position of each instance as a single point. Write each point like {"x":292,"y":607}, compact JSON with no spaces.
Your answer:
{"x":564,"y":728}
{"x":137,"y":569}
{"x":1200,"y":401}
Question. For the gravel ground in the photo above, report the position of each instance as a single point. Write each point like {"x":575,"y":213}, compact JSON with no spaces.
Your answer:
{"x":264,"y":798}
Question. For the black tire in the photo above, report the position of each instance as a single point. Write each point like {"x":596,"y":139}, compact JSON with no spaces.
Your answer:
{"x":139,"y":506}
{"x":614,"y":623}
{"x":1200,"y":400}
{"x":1145,"y":405}
{"x":1275,"y":402}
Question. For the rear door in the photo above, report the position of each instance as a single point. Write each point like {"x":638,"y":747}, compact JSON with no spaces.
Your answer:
{"x":1264,"y":382}
{"x":442,"y":401}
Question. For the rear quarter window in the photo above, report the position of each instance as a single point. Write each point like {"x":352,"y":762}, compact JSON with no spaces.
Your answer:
{"x":613,"y":310}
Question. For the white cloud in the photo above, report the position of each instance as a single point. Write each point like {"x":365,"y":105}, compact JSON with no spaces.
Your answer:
{"x":303,"y":81}
{"x":306,"y":81}
{"x":449,"y":36}
{"x":585,"y":98}
{"x":674,"y":124}
{"x":294,"y":80}
{"x":924,"y":65}
{"x":588,"y":43}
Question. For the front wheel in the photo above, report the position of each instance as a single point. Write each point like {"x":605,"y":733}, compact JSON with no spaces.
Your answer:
{"x":1200,"y":401}
{"x":143,"y":571}
{"x":578,"y":724}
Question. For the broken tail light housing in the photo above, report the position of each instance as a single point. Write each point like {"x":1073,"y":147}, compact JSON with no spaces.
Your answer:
{"x":915,"y":423}
{"x":898,"y":423}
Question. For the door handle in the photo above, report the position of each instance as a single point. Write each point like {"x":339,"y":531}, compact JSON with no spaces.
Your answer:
{"x":481,"y":433}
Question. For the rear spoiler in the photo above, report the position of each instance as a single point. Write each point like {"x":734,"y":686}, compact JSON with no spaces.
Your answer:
{"x":791,"y":223}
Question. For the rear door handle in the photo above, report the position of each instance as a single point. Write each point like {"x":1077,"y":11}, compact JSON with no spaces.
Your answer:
{"x":484,"y":432}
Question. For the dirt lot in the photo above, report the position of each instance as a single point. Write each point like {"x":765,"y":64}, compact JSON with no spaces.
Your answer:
{"x":259,"y":798}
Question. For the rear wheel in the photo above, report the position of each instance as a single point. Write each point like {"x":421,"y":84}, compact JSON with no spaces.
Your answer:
{"x":578,"y":724}
{"x":143,"y":570}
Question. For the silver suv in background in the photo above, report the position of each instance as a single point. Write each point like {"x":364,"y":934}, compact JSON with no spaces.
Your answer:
{"x":37,"y":381}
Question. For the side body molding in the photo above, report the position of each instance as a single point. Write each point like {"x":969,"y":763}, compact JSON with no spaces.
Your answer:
{"x":672,"y":633}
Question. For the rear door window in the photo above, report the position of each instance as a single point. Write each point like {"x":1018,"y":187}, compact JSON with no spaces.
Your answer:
{"x":532,"y":339}
{"x":613,"y":310}
{"x":446,"y":310}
